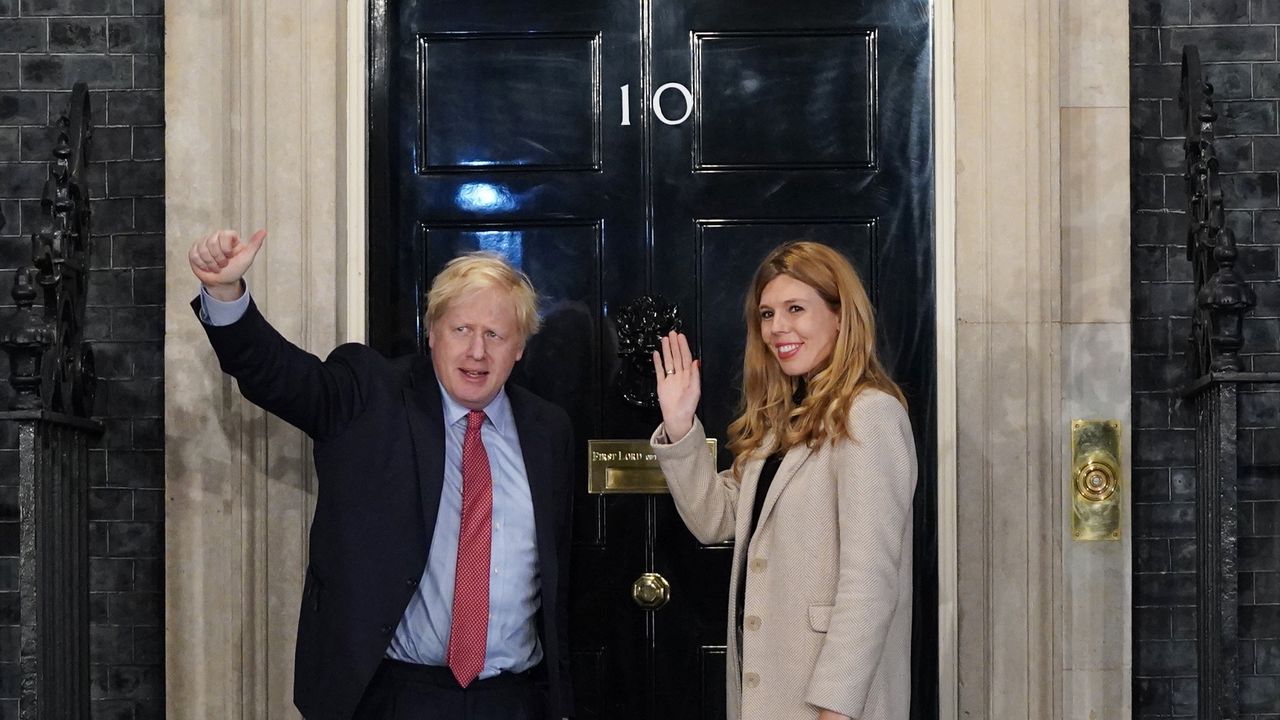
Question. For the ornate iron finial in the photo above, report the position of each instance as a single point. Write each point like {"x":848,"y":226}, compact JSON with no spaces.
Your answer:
{"x":1222,"y":296}
{"x":1223,"y":301}
{"x":51,"y":365}
{"x":27,"y":340}
{"x":640,"y":325}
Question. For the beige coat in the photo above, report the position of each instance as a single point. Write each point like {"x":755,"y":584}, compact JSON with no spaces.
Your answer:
{"x":827,"y":622}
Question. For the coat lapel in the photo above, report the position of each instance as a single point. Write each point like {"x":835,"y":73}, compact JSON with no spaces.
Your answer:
{"x":746,"y":494}
{"x":426,"y":427}
{"x":791,"y":462}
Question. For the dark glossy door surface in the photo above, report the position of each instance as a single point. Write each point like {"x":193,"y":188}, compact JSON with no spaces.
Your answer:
{"x":502,"y":125}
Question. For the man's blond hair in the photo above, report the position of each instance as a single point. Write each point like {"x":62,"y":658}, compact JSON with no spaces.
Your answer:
{"x":477,"y":270}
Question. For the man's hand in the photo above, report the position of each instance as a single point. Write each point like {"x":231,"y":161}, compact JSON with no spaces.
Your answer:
{"x":221,"y":258}
{"x":825,"y":714}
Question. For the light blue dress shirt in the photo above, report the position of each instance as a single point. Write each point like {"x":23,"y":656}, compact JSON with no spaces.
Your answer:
{"x":218,"y":313}
{"x":514,"y":581}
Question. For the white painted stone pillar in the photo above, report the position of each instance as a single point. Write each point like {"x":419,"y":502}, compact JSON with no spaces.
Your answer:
{"x":257,"y":97}
{"x":1095,"y":587}
{"x":1042,"y":312}
{"x":1008,"y":326}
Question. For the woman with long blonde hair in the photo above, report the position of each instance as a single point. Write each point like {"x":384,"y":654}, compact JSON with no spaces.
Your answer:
{"x":818,"y":500}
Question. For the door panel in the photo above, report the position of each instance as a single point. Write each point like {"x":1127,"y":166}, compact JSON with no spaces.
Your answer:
{"x":529,"y":129}
{"x":509,"y":101}
{"x":752,"y":114}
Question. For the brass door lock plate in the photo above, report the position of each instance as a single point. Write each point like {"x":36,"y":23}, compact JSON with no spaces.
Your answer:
{"x":1095,"y":480}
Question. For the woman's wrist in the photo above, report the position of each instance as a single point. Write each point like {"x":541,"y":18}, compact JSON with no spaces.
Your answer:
{"x":678,"y":429}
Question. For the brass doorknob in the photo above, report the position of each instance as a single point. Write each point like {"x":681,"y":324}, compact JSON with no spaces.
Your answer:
{"x":651,"y":591}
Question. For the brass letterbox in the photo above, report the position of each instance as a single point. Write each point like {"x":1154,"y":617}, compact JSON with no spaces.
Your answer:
{"x":626,"y":466}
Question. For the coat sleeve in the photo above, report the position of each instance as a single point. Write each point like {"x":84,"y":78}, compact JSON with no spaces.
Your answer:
{"x":876,"y":476}
{"x":318,"y":397}
{"x":706,"y":501}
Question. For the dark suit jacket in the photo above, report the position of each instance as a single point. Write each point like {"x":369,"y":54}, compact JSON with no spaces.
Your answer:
{"x":379,"y":452}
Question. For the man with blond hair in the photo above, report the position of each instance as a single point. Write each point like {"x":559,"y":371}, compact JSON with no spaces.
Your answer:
{"x":438,"y":578}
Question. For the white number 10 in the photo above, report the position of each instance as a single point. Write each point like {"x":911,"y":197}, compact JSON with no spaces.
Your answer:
{"x":657,"y":103}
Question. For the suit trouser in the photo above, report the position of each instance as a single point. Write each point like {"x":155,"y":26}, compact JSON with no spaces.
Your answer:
{"x":403,"y":691}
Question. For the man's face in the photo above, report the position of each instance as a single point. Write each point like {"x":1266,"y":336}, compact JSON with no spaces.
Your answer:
{"x":474,"y":345}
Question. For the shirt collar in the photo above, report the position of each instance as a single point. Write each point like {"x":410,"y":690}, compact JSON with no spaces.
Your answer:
{"x":498,"y":410}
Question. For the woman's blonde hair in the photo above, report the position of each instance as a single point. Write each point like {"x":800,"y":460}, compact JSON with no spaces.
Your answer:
{"x":476,"y":270}
{"x":768,"y":394}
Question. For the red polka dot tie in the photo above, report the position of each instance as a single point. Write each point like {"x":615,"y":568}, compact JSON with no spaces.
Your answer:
{"x":470,"y":626}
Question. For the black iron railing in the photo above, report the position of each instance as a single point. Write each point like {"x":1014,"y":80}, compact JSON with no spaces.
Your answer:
{"x":51,"y":374}
{"x":1222,"y":298}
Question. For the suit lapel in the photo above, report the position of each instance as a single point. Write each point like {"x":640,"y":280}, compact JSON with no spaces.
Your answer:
{"x":537,"y":468}
{"x":426,"y":427}
{"x":791,"y":462}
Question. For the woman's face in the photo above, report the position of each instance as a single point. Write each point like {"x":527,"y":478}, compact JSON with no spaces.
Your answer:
{"x":797,"y":325}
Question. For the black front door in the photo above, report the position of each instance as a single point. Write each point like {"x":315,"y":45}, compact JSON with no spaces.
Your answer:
{"x":626,"y":148}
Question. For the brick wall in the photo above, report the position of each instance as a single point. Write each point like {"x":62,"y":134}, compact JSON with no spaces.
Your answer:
{"x":1237,"y":40}
{"x":116,"y":46}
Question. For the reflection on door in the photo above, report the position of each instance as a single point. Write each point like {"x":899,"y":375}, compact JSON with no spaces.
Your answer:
{"x":625,"y":148}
